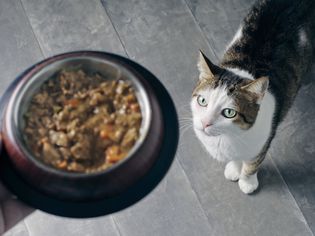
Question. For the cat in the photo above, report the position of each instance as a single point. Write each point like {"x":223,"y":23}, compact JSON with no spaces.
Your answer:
{"x":238,"y":104}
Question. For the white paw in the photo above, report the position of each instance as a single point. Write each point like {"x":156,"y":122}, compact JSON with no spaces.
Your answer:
{"x":233,"y":170}
{"x":248,"y":184}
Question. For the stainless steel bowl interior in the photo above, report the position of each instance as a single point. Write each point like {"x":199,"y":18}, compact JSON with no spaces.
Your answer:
{"x":89,"y":64}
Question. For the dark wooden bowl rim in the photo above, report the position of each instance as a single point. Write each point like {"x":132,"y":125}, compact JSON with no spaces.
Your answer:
{"x":112,"y":204}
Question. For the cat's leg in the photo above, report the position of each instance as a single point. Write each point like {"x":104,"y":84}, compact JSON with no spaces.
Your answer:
{"x":233,"y":170}
{"x":248,"y":181}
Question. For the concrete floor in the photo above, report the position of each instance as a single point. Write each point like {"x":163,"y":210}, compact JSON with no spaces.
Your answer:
{"x":164,"y":36}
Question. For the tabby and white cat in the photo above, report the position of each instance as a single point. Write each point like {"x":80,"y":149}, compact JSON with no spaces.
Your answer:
{"x":238,"y":104}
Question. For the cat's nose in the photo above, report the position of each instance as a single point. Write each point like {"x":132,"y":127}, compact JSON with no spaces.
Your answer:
{"x":206,"y":124}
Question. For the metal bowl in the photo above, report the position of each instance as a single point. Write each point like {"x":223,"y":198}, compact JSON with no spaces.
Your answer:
{"x":82,"y":187}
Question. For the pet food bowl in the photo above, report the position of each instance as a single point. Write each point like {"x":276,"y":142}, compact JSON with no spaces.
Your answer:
{"x":98,"y":193}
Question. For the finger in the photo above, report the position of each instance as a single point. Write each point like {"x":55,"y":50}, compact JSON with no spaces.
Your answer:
{"x":13,"y":211}
{"x":4,"y":193}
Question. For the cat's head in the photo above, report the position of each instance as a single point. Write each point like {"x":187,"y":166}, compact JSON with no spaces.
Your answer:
{"x":224,"y":102}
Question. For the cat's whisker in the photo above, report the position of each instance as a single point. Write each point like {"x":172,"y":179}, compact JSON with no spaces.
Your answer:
{"x":185,"y":122}
{"x":184,"y":130}
{"x":184,"y":106}
{"x":184,"y":111}
{"x":185,"y":118}
{"x":185,"y":127}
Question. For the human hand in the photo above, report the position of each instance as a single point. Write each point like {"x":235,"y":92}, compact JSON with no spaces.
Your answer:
{"x":11,"y":210}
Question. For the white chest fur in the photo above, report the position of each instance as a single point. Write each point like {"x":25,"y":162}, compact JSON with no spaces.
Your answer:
{"x":245,"y":145}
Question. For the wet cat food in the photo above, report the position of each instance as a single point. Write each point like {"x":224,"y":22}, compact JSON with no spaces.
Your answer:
{"x":81,"y":122}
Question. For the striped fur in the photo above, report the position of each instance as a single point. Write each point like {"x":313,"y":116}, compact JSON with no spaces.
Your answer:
{"x":259,"y":77}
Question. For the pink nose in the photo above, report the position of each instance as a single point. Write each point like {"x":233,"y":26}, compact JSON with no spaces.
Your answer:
{"x":205,"y":124}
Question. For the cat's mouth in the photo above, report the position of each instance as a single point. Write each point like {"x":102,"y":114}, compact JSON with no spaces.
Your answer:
{"x":211,"y":132}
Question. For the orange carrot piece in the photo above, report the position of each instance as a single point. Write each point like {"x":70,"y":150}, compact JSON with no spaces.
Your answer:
{"x":106,"y":131}
{"x":72,"y":102}
{"x":113,"y":154}
{"x":135,"y":107}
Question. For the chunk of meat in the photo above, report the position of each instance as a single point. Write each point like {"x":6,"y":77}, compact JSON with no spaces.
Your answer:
{"x":58,"y":138}
{"x":114,"y":154}
{"x":76,"y":118}
{"x":80,"y":150}
{"x":50,"y":153}
{"x":130,"y":138}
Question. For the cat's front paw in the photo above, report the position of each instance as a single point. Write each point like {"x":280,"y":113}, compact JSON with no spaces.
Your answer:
{"x":248,"y":184}
{"x":233,"y":170}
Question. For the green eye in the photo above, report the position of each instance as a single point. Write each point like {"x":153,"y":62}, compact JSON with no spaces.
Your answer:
{"x":229,"y":113}
{"x":202,"y":101}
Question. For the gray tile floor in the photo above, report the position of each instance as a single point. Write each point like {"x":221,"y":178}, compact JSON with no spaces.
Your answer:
{"x":164,"y":36}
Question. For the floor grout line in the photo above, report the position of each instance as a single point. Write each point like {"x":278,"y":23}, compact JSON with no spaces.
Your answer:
{"x":116,"y":225}
{"x":120,"y":40}
{"x":27,"y":227}
{"x":202,"y":32}
{"x":29,"y":23}
{"x":295,"y":201}
{"x":193,"y":190}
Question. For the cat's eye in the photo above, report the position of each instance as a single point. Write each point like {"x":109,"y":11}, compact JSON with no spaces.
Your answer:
{"x":202,"y":101}
{"x":229,"y":113}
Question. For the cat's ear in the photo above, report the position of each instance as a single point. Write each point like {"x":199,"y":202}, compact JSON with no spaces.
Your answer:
{"x":258,"y":87}
{"x":206,"y":68}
